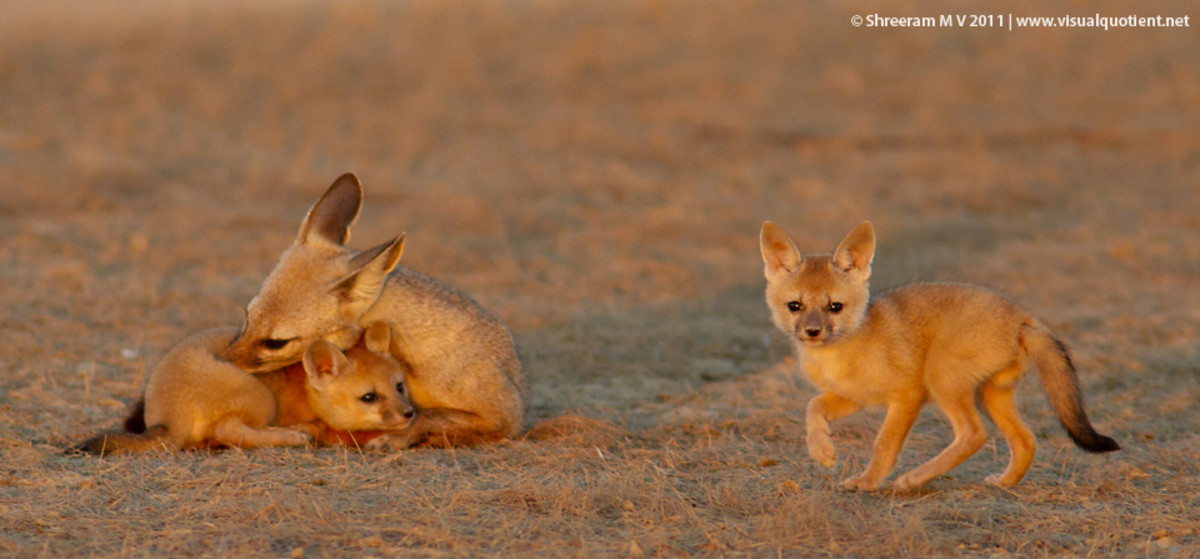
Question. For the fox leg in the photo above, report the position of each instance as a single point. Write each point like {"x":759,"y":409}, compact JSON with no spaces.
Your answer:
{"x":997,"y":396}
{"x":901,"y":414}
{"x":442,"y":428}
{"x":314,"y":429}
{"x":821,"y":410}
{"x":969,"y":437}
{"x":232,"y":431}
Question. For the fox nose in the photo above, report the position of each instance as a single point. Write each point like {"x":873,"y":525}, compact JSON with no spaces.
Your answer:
{"x":410,"y":413}
{"x":812,"y":331}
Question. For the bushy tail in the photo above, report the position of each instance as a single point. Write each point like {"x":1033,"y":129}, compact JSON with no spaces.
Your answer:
{"x":136,"y":422}
{"x":155,"y":438}
{"x":1062,"y":386}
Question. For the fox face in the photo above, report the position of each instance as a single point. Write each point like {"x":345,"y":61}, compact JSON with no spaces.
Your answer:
{"x":319,"y":289}
{"x":821,"y":298}
{"x":362,"y":389}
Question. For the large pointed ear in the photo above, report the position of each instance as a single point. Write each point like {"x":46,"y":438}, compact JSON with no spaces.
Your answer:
{"x":323,"y":362}
{"x":330,"y":218}
{"x":371,"y":267}
{"x":856,"y":251}
{"x":378,"y":337}
{"x":779,"y":253}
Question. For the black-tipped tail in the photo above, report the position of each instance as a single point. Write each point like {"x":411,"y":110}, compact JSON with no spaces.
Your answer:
{"x":1092,"y":441}
{"x":1062,"y":386}
{"x":154,"y":438}
{"x":98,"y":445}
{"x":136,"y":422}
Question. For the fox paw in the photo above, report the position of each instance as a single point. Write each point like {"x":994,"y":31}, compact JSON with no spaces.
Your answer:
{"x":860,"y":483}
{"x":821,"y":450}
{"x":1000,"y":481}
{"x":290,"y":437}
{"x":909,"y":482}
{"x":391,"y":441}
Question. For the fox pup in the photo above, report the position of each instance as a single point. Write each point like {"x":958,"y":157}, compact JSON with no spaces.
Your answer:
{"x":194,"y":399}
{"x":462,"y":368}
{"x":949,"y":343}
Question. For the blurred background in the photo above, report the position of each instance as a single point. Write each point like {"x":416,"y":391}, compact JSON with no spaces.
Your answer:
{"x":593,"y":172}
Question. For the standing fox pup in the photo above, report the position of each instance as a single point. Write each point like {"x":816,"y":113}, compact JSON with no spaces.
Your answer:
{"x":196,"y":400}
{"x":943,"y":342}
{"x":462,"y":369}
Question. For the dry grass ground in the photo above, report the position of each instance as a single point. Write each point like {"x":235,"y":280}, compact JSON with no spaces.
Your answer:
{"x":596,"y":174}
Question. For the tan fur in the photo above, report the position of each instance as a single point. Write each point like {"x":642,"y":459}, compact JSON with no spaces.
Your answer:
{"x":195,"y":399}
{"x":948,"y":343}
{"x":462,"y":367}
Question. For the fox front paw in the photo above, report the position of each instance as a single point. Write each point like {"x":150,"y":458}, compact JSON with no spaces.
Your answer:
{"x":860,"y":483}
{"x":391,"y":441}
{"x":909,"y":482}
{"x":821,"y":449}
{"x":1000,"y":480}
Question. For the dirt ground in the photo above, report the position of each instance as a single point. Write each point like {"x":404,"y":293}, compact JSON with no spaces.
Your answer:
{"x":595,"y":173}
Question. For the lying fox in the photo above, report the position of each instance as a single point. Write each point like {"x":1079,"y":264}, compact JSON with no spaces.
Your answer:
{"x":194,"y":399}
{"x":948,"y":343}
{"x":462,"y":368}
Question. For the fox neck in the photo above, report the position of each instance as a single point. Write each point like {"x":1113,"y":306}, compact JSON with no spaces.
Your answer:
{"x":291,"y":390}
{"x":319,"y":403}
{"x":844,"y":365}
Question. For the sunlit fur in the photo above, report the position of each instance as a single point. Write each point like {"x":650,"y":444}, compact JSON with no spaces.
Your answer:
{"x":196,"y":399}
{"x":463,"y":371}
{"x":949,"y":343}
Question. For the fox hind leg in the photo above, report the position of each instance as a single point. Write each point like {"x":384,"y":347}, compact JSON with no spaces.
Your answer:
{"x":232,"y":431}
{"x":997,"y":396}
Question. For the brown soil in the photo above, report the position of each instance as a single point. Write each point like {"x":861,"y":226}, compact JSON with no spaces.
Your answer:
{"x":595,"y":173}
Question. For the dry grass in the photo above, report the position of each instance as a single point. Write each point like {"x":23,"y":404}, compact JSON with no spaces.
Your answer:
{"x":596,"y":174}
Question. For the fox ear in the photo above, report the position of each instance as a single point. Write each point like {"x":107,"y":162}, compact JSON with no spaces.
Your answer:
{"x":778,"y":250}
{"x":378,"y":337}
{"x":323,"y":361}
{"x":362,"y":287}
{"x":330,"y":218}
{"x":857,"y":250}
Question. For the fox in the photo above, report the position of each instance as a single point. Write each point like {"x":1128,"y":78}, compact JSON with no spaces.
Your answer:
{"x":950,"y":343}
{"x":463,"y":371}
{"x":195,"y":399}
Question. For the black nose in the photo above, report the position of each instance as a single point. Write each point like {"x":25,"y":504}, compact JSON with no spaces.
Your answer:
{"x":410,"y":414}
{"x":812,"y":332}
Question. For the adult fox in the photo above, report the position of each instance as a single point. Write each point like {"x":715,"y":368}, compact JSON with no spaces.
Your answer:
{"x":462,"y":369}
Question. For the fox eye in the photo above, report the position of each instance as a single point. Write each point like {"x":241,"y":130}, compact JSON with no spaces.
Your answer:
{"x":368,"y":398}
{"x":835,"y":308}
{"x":400,"y":387}
{"x":795,"y":306}
{"x":272,"y":344}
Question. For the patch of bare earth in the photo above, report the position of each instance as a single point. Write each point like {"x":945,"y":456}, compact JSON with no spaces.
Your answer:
{"x":596,"y":173}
